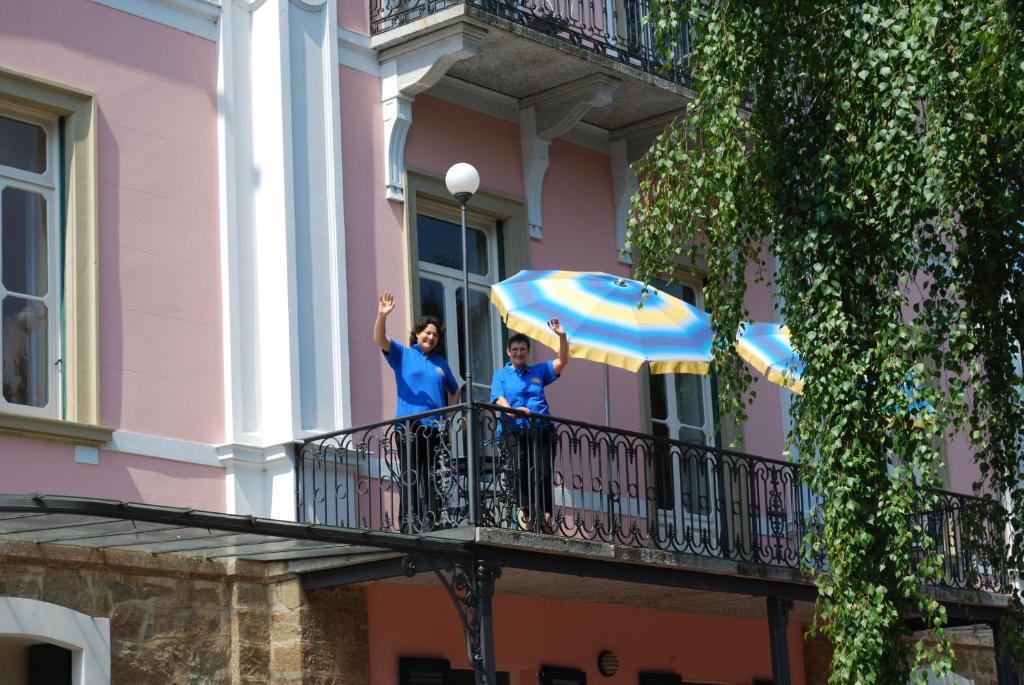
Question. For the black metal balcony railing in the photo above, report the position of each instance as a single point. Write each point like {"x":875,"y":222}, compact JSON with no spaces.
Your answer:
{"x":613,"y":28}
{"x":562,"y":477}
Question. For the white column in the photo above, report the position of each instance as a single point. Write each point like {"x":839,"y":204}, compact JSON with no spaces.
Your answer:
{"x":282,"y":241}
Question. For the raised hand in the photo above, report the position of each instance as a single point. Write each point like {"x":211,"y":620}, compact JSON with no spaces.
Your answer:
{"x":556,"y":326}
{"x":385,"y":304}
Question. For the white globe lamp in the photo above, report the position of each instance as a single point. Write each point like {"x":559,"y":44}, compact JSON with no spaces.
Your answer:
{"x":462,"y":181}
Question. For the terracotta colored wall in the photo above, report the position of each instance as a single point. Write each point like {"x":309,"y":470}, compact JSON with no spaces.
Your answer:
{"x":530,"y":632}
{"x":155,"y":87}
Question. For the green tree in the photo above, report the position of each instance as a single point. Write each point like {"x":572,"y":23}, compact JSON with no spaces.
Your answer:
{"x":868,"y":156}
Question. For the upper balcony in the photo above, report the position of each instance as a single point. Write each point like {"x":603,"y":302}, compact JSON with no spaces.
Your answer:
{"x":567,"y":488}
{"x":527,"y":48}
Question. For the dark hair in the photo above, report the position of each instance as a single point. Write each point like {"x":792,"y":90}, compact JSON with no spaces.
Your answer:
{"x":518,"y":338}
{"x":421,"y":324}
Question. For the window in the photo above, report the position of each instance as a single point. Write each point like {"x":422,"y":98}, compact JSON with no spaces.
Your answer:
{"x":412,"y":671}
{"x":683,"y":407}
{"x":439,"y":248}
{"x":29,"y":263}
{"x":49,"y":322}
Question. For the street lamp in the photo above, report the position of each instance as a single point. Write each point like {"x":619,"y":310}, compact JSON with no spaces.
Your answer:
{"x":462,"y":181}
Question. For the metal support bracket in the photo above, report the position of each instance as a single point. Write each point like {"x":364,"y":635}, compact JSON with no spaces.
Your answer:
{"x":470,"y":583}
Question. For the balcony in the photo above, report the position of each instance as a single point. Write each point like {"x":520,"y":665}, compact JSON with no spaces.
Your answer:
{"x":568,"y":487}
{"x":550,"y":43}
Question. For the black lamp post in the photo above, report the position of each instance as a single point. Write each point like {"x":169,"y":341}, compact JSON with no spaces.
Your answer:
{"x":462,"y":181}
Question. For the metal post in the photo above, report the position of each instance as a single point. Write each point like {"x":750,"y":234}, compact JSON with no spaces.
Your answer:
{"x":1005,"y":672}
{"x":778,"y":620}
{"x":410,"y":472}
{"x":607,"y":400}
{"x":472,"y":468}
{"x":485,"y":674}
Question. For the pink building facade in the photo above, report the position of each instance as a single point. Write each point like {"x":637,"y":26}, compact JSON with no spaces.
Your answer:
{"x":201,"y":201}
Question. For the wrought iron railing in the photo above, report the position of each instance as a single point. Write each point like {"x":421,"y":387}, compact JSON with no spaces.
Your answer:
{"x":614,"y":28}
{"x":561,"y":477}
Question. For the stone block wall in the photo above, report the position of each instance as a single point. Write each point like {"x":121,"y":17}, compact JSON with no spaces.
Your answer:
{"x":973,"y":655}
{"x":180,"y":620}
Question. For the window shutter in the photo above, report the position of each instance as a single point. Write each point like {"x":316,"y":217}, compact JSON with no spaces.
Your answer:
{"x":661,"y":679}
{"x":555,"y":675}
{"x":423,"y":671}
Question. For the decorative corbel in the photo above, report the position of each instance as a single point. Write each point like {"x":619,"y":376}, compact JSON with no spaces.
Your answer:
{"x":546,"y":116}
{"x":470,"y":584}
{"x":627,"y":145}
{"x":406,"y":71}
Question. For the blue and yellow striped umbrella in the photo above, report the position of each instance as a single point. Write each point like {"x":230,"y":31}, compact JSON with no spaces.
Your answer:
{"x":768,"y":349}
{"x":603,"y":322}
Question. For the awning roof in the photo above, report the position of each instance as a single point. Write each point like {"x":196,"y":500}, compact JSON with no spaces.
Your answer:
{"x":159,"y":530}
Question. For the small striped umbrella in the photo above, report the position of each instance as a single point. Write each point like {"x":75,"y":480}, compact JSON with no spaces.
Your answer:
{"x":766,"y":346}
{"x":768,"y":349}
{"x":605,"y":322}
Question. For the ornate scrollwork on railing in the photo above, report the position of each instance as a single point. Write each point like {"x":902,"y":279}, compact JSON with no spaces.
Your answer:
{"x":551,"y":475}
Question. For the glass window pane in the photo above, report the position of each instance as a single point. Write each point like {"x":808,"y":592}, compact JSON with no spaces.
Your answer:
{"x":692,"y":435}
{"x":25,"y":360}
{"x":23,"y":241}
{"x":683,"y":292}
{"x":664,"y":481}
{"x":659,"y":399}
{"x":440,"y":242}
{"x":689,"y":399}
{"x":480,"y":325}
{"x":22,"y":145}
{"x":432,"y":304}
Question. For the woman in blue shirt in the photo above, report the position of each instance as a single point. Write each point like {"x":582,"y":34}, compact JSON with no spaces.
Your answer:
{"x":519,"y":386}
{"x":423,"y":382}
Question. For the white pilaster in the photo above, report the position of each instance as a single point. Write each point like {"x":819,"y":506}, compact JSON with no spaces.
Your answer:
{"x":546,"y":116}
{"x":282,"y":241}
{"x":406,"y":71}
{"x":624,"y":186}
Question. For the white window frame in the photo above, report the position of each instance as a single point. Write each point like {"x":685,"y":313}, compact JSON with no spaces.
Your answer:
{"x":451,"y":280}
{"x":87,"y":637}
{"x":45,"y":184}
{"x":678,"y":516}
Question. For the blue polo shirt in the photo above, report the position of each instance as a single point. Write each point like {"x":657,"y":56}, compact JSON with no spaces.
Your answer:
{"x":423,"y":381}
{"x":524,"y":388}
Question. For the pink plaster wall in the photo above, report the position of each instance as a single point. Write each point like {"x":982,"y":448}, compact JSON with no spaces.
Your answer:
{"x":374,"y":240}
{"x":156,"y":93}
{"x":50,"y":468}
{"x":530,"y":632}
{"x":354,"y":15}
{"x":443,"y":133}
{"x":961,"y":470}
{"x":763,"y":431}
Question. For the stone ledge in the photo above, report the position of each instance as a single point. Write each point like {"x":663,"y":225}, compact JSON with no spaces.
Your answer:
{"x":55,"y":430}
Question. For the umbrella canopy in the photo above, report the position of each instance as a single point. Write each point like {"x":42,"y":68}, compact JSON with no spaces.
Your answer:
{"x":766,"y":346}
{"x":604,"y":323}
